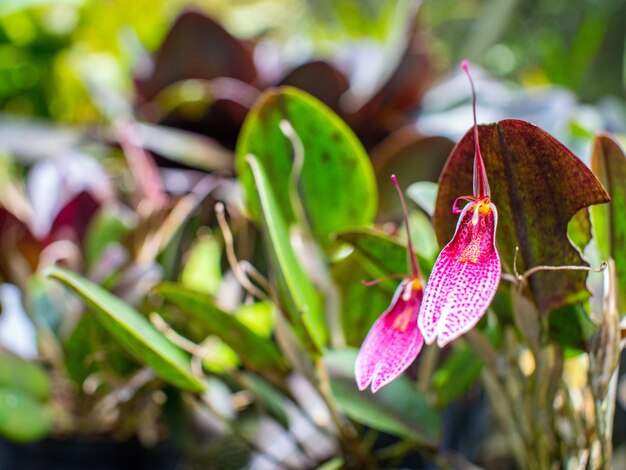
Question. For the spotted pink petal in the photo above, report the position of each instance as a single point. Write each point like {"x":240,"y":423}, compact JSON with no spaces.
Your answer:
{"x":394,"y":341}
{"x":465,"y":277}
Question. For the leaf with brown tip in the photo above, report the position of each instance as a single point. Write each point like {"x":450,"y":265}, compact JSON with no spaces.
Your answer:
{"x":538,"y":185}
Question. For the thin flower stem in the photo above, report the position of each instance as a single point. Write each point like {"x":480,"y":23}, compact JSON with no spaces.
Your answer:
{"x":373,"y":282}
{"x":412,"y":258}
{"x":481,"y":184}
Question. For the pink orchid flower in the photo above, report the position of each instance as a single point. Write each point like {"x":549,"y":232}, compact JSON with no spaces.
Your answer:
{"x":394,"y":341}
{"x":467,"y":272}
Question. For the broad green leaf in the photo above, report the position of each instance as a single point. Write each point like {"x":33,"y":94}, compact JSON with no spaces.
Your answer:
{"x":458,"y":372}
{"x":300,"y":297}
{"x":609,"y":221}
{"x":22,"y":418}
{"x":383,"y":251}
{"x":398,"y":408}
{"x":360,"y":305}
{"x":24,"y":376}
{"x":424,"y":193}
{"x":203,"y":271}
{"x":538,"y":185}
{"x":90,"y":348}
{"x":253,"y":349}
{"x":140,"y":338}
{"x":336,"y":185}
{"x":571,"y":326}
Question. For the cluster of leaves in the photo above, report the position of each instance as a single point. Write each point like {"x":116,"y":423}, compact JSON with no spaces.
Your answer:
{"x":164,"y":318}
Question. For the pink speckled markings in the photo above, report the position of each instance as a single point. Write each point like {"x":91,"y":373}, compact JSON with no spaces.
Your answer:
{"x":394,"y":341}
{"x":467,"y":272}
{"x":465,"y":277}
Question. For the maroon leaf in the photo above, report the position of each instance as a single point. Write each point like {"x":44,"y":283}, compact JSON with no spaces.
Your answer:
{"x":197,"y":47}
{"x":19,"y":246}
{"x":412,"y":158}
{"x":321,"y":80}
{"x":72,"y":220}
{"x":391,"y":105}
{"x":538,"y":185}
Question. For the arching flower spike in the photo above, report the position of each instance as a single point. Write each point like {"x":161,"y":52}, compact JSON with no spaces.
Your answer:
{"x":467,"y":272}
{"x":394,"y":341}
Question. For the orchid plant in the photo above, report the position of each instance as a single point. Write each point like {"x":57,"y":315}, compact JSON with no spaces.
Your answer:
{"x":237,"y":300}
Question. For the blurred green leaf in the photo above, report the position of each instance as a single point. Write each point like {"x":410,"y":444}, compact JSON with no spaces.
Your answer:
{"x":133,"y":331}
{"x":383,"y":251}
{"x":398,"y":408}
{"x":108,"y":226}
{"x":336,"y":185}
{"x":571,"y":326}
{"x":538,"y":185}
{"x":255,"y":350}
{"x":456,"y":374}
{"x":301,"y":297}
{"x":90,"y":348}
{"x":259,"y":317}
{"x":424,"y":193}
{"x":608,"y":162}
{"x":203,"y":271}
{"x":360,"y":305}
{"x":22,"y":418}
{"x":24,"y":376}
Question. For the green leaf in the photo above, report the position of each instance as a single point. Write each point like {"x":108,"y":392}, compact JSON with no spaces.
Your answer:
{"x":360,"y":305}
{"x":106,"y":227}
{"x":337,"y":184}
{"x":203,"y":271}
{"x":22,"y":418}
{"x":458,"y":372}
{"x":23,"y":376}
{"x":383,"y":251}
{"x":398,"y":408}
{"x":300,"y":297}
{"x":609,"y":221}
{"x":255,"y":350}
{"x":571,"y":326}
{"x":90,"y":348}
{"x":424,"y":193}
{"x":140,"y":338}
{"x":538,"y":185}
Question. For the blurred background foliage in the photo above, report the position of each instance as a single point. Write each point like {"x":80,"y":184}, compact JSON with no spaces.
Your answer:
{"x":46,"y":45}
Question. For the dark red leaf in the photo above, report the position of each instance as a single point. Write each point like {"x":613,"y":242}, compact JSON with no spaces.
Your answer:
{"x":391,"y":106}
{"x":19,"y":247}
{"x":72,"y":220}
{"x":319,"y":79}
{"x":538,"y":185}
{"x":197,"y":47}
